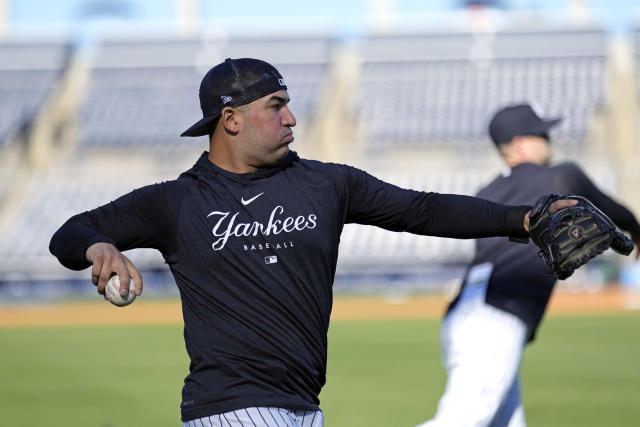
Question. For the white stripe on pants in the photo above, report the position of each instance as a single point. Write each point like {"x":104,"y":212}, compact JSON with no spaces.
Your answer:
{"x":260,"y":417}
{"x":481,"y":351}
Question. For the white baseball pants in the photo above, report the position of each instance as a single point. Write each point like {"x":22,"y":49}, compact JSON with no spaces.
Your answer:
{"x":481,"y":351}
{"x":260,"y":417}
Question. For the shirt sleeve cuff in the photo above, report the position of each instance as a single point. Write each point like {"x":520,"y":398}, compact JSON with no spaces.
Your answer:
{"x":514,"y":223}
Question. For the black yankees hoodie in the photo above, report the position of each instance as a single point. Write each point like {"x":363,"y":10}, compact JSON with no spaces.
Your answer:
{"x":254,"y":257}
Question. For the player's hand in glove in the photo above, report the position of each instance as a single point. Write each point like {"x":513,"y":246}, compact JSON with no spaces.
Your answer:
{"x":570,"y":237}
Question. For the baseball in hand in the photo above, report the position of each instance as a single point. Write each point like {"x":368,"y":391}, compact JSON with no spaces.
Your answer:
{"x":112,"y":292}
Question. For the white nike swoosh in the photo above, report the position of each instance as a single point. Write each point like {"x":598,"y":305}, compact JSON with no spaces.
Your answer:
{"x":246,"y":202}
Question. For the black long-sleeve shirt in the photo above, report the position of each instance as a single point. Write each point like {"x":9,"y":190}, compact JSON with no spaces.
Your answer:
{"x":254,"y":258}
{"x":520,"y":281}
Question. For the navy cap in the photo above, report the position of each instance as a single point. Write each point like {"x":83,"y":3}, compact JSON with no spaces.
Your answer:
{"x":518,"y":120}
{"x":233,"y":83}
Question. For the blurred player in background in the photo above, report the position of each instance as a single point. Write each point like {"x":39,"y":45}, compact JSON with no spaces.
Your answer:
{"x":251,"y":236}
{"x":507,"y":285}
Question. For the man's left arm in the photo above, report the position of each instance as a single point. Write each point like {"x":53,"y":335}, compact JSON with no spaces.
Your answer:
{"x":579,"y":183}
{"x":375,"y":202}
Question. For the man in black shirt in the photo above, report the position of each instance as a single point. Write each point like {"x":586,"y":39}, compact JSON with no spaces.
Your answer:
{"x":507,"y":285}
{"x":251,"y":236}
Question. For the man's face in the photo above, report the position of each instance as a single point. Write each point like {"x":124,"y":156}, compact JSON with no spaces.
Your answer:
{"x":527,"y":149}
{"x":537,"y":149}
{"x":267,"y":133}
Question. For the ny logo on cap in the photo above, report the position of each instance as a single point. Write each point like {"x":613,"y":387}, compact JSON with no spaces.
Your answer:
{"x":225,"y":99}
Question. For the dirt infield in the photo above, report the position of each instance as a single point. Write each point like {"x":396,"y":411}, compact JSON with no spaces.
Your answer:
{"x":609,"y":301}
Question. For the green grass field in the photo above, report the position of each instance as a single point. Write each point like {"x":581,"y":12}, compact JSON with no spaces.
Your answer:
{"x":582,"y":371}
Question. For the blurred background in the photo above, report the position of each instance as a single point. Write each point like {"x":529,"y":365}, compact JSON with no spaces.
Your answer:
{"x":94,"y":95}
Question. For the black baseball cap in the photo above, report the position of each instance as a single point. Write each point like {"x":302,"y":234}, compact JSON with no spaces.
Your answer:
{"x":233,"y":83}
{"x":518,"y":120}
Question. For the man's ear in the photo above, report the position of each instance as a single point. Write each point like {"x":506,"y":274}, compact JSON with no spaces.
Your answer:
{"x":505,"y":147}
{"x":231,"y":119}
{"x":515,"y":145}
{"x":508,"y":150}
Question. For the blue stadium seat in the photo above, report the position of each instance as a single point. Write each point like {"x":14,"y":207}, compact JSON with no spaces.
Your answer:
{"x":28,"y":71}
{"x":144,"y":93}
{"x":443,"y":87}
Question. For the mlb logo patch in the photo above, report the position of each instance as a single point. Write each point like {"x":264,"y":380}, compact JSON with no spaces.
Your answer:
{"x":270,"y":259}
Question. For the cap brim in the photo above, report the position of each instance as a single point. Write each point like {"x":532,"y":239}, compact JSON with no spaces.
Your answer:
{"x":542,"y":128}
{"x":548,"y":124}
{"x":201,"y":127}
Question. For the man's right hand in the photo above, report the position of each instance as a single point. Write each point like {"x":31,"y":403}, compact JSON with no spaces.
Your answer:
{"x":106,"y":260}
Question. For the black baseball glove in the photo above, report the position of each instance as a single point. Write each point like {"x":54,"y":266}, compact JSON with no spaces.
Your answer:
{"x":572,"y":236}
